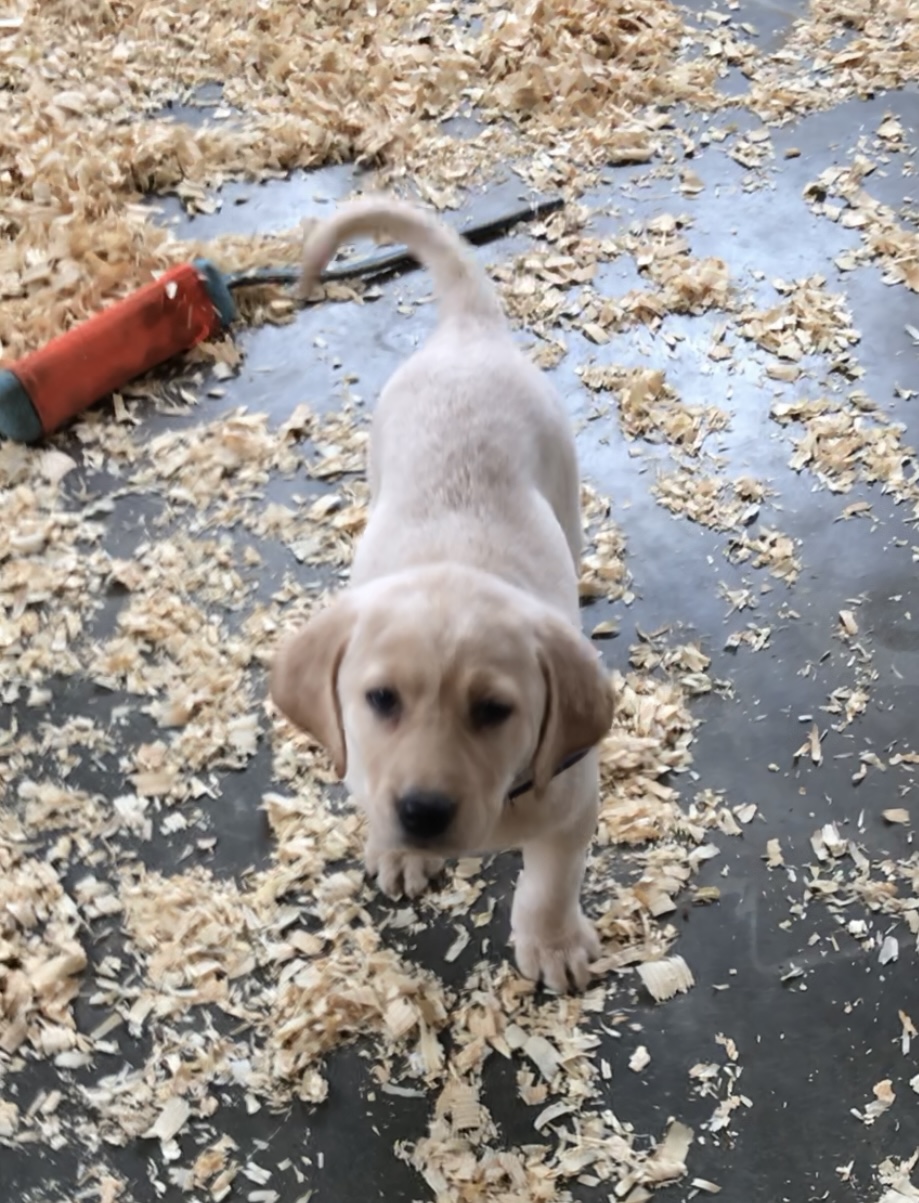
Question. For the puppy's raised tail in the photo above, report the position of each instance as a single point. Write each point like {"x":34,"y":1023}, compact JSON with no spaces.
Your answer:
{"x":462,"y":287}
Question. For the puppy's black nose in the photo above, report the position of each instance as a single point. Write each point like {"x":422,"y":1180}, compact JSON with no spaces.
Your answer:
{"x":425,"y":814}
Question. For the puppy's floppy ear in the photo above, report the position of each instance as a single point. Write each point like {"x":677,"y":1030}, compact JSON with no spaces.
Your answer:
{"x":304,"y":678}
{"x":579,"y":698}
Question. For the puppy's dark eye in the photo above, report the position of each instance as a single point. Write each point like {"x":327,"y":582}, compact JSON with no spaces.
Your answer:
{"x":489,"y":713}
{"x":383,"y":702}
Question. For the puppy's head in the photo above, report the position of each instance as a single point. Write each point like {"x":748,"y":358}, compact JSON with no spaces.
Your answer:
{"x":433,"y":691}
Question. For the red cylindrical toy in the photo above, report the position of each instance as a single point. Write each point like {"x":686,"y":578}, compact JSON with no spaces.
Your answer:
{"x":47,"y":387}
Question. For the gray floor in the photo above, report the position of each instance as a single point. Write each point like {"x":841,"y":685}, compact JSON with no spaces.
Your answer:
{"x":812,"y":1011}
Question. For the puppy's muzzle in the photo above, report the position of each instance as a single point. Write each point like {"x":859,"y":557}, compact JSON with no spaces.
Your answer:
{"x":425,"y":814}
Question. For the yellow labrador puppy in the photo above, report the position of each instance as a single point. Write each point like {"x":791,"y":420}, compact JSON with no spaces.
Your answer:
{"x":451,"y":683}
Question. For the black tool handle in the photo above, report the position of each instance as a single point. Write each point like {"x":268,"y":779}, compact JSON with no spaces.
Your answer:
{"x":398,"y":259}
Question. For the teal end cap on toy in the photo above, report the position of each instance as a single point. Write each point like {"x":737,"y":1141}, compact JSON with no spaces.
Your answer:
{"x":218,"y":291}
{"x":19,"y":419}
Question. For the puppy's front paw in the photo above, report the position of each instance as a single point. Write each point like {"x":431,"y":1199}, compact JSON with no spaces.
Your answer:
{"x":402,"y":872}
{"x":558,"y":959}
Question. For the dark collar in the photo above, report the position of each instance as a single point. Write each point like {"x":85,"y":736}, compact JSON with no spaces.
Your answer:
{"x":525,"y":786}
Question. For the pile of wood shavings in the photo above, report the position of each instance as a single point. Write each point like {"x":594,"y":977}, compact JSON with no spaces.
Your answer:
{"x":810,"y":321}
{"x":711,"y":501}
{"x":831,"y":54}
{"x":768,"y":549}
{"x":87,"y":137}
{"x":884,"y":238}
{"x":843,"y":874}
{"x":650,"y":409}
{"x":603,"y":564}
{"x":41,"y":958}
{"x":850,"y":440}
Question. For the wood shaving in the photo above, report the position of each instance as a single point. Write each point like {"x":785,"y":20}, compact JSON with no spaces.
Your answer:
{"x":848,"y":622}
{"x":170,"y":1120}
{"x":896,"y":814}
{"x":812,"y":746}
{"x":884,"y":1098}
{"x":639,"y":1060}
{"x":890,"y":950}
{"x":667,"y":978}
